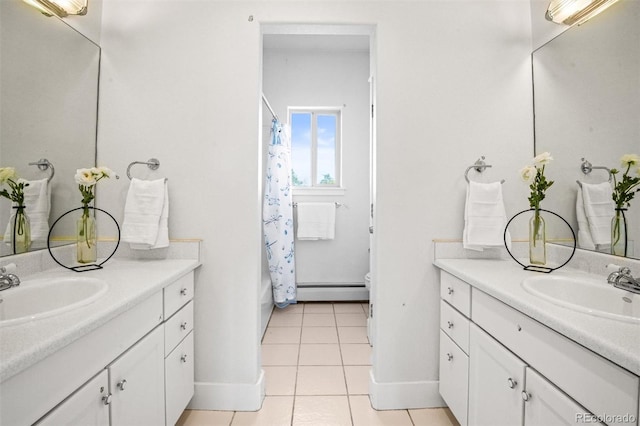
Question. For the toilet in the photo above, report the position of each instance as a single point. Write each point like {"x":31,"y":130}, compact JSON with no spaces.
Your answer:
{"x":367,"y":280}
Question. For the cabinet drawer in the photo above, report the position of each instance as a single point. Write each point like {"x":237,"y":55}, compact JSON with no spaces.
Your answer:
{"x":454,"y":374}
{"x":179,"y":385}
{"x":178,"y":294}
{"x":178,"y":327}
{"x":455,"y":325}
{"x":599,"y":385}
{"x":456,"y":292}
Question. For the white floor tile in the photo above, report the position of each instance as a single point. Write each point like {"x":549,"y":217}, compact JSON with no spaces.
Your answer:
{"x":280,"y":354}
{"x":276,"y":410}
{"x":357,"y":377}
{"x":320,"y":354}
{"x":323,"y":410}
{"x":318,"y":320}
{"x":321,"y":380}
{"x":351,"y":320}
{"x":433,"y":417}
{"x":353,"y":335}
{"x":285,"y":320}
{"x":356,"y":354}
{"x":318,"y":308}
{"x":205,"y":418}
{"x":319,"y":335}
{"x":280,"y":380}
{"x":278,"y":335}
{"x":364,"y":415}
{"x":348,"y":308}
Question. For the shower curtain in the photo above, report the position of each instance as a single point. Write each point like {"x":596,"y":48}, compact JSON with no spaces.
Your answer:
{"x":277,"y":217}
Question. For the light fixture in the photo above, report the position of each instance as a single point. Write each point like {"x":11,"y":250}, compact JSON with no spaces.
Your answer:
{"x":60,"y":8}
{"x":575,"y":12}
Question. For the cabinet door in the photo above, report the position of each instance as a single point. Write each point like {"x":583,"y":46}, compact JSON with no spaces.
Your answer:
{"x":85,"y":407}
{"x":454,"y":377}
{"x":179,"y":379}
{"x":546,"y":405}
{"x":136,"y":381}
{"x":496,"y":378}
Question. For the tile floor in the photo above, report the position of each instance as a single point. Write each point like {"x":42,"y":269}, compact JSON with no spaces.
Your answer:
{"x":316,"y":358}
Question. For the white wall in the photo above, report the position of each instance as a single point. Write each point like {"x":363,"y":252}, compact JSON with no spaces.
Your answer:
{"x":335,"y":79}
{"x":181,"y":82}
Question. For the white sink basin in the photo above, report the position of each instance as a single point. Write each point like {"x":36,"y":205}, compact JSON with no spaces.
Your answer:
{"x":45,"y":297}
{"x":595,"y":297}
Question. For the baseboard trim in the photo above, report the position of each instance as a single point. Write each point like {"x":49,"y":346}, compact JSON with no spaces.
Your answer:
{"x":330,"y":292}
{"x":228,"y":396}
{"x":404,"y":395}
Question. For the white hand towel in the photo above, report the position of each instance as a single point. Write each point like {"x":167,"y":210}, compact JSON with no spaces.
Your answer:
{"x":316,"y":221}
{"x":37,"y":202}
{"x":599,"y":209}
{"x":146,"y":214}
{"x":484,"y":217}
{"x":584,"y":234}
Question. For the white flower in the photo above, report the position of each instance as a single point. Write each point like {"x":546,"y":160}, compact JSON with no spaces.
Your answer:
{"x":527,"y":173}
{"x":7,"y":173}
{"x":100,"y":172}
{"x":630,"y":159}
{"x":85,"y":177}
{"x":542,"y":159}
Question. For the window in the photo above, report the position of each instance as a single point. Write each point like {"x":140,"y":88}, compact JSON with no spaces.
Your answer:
{"x":315,"y":147}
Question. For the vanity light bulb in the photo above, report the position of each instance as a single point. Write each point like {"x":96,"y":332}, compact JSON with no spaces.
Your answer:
{"x":59,"y":8}
{"x":575,"y":12}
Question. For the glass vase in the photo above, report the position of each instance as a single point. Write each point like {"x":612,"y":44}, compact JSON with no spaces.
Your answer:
{"x":537,"y":240}
{"x":619,"y":233}
{"x":20,"y":230}
{"x":86,"y":241}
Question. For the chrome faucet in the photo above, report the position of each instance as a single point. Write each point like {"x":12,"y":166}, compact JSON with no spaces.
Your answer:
{"x":623,"y":280}
{"x":8,"y":280}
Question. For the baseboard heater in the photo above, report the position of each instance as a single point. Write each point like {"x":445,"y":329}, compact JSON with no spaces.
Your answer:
{"x":331,"y":292}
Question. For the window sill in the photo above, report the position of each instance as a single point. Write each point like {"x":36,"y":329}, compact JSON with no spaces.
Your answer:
{"x":319,"y":191}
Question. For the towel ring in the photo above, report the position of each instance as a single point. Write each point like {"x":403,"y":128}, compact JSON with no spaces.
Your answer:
{"x":586,"y":167}
{"x":44,"y":164}
{"x":479,"y":167}
{"x":152,"y":163}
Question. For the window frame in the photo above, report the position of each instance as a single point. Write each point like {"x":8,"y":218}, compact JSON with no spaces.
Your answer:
{"x":315,"y":186}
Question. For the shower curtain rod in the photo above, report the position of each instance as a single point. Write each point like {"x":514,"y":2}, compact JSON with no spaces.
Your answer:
{"x":266,"y":102}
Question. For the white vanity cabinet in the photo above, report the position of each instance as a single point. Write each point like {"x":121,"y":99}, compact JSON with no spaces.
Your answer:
{"x":520,"y":372}
{"x":85,"y":407}
{"x":136,"y":383}
{"x":503,"y":390}
{"x":178,"y":347}
{"x":135,"y":369}
{"x":454,"y":344}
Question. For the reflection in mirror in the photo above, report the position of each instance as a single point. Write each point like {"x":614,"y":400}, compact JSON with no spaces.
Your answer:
{"x":587,"y":105}
{"x":48,"y":106}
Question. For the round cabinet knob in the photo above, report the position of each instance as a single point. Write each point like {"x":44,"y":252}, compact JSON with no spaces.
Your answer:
{"x":121,"y":384}
{"x":526,"y":396}
{"x":512,"y":383}
{"x":183,"y":291}
{"x":449,"y":290}
{"x":449,"y":357}
{"x":106,"y":400}
{"x":183,"y":326}
{"x":449,"y":324}
{"x":183,"y":358}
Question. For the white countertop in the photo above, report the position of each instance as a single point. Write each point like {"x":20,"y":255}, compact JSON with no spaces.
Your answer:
{"x":130,"y":282}
{"x":615,"y":340}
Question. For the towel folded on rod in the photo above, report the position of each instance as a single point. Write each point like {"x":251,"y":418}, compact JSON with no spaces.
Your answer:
{"x":484,"y":217}
{"x":37,"y":202}
{"x":146,"y":215}
{"x":599,"y":209}
{"x":584,"y":234}
{"x":316,"y":221}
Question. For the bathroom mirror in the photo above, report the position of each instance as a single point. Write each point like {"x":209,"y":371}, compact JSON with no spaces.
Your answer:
{"x":48,"y":106}
{"x":587,"y":105}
